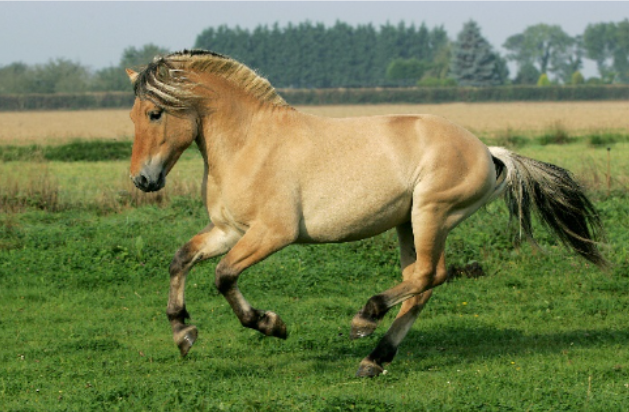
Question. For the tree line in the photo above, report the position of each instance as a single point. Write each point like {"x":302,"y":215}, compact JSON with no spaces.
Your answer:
{"x":311,"y":55}
{"x":65,"y":76}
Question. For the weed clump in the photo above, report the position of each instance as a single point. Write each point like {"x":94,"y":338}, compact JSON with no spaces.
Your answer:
{"x":471,"y":270}
{"x":557,"y":134}
{"x":510,"y":139}
{"x":603,"y":139}
{"x":40,"y":192}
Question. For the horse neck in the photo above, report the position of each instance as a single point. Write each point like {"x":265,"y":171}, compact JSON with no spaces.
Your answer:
{"x":226,"y":120}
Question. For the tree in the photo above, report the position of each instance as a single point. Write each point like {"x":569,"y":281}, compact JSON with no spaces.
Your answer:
{"x":621,"y":54}
{"x":599,"y":42}
{"x":542,"y":45}
{"x":527,"y":74}
{"x":114,"y":78}
{"x":440,"y":63}
{"x":474,"y":63}
{"x":570,"y":61}
{"x":60,"y":76}
{"x":312,"y":55}
{"x":16,"y":78}
{"x":543,"y":80}
{"x":502,"y":70}
{"x":577,"y":78}
{"x":406,"y":71}
{"x":110,"y":79}
{"x":132,"y":57}
{"x":608,"y":45}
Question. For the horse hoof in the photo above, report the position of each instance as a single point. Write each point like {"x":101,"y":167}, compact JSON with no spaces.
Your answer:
{"x":186,"y":338}
{"x":362,"y":327}
{"x":272,"y":325}
{"x":369,"y":369}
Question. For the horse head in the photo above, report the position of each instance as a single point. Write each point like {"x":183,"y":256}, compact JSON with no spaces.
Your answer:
{"x":162,"y":134}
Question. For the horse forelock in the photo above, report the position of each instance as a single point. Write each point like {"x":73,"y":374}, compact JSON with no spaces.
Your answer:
{"x":165,"y":83}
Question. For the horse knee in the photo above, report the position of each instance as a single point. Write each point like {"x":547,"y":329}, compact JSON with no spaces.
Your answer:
{"x":225,"y":277}
{"x":182,"y":259}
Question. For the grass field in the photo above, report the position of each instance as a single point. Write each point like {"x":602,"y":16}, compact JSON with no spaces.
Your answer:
{"x":84,"y":284}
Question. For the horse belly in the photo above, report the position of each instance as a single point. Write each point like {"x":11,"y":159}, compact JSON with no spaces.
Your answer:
{"x":338,"y":218}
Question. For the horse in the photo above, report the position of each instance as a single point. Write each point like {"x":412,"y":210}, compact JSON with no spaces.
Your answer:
{"x":275,"y":176}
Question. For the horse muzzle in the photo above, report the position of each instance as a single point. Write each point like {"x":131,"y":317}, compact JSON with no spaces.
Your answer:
{"x":150,"y":179}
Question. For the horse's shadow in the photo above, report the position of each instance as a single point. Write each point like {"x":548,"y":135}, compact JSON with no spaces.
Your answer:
{"x":455,"y":344}
{"x":430,"y":348}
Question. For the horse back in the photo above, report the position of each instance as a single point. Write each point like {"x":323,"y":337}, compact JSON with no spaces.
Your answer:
{"x":360,"y":176}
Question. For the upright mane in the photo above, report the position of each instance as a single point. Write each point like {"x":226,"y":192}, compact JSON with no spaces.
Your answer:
{"x":165,"y":82}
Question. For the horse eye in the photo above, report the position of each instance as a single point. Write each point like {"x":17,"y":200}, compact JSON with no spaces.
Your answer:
{"x":155,"y":115}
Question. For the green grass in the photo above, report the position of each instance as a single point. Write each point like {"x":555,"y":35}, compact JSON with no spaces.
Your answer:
{"x":80,"y":184}
{"x":108,"y":150}
{"x":83,"y":298}
{"x":555,"y":135}
{"x":77,"y":151}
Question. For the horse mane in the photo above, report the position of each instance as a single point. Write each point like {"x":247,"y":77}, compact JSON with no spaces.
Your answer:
{"x":164,"y":81}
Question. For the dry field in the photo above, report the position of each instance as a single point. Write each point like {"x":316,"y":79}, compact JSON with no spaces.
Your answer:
{"x":492,"y":118}
{"x":481,"y":118}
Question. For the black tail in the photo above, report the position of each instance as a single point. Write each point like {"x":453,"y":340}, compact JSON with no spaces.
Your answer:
{"x":556,"y":197}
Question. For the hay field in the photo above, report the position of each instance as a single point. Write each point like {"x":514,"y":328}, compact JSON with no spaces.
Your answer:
{"x":491,"y":118}
{"x":481,"y":118}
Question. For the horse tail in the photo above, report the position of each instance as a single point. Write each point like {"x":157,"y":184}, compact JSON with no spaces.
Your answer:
{"x":555,"y":196}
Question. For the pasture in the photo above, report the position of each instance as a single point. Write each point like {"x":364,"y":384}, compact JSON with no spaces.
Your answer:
{"x":83,"y":289}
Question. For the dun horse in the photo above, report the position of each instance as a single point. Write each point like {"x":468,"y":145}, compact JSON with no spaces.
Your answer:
{"x":275,"y":176}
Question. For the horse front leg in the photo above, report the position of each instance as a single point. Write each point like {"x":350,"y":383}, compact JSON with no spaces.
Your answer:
{"x":209,"y":243}
{"x":258,"y":243}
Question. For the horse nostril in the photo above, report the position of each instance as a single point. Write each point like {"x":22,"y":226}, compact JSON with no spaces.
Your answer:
{"x":162,"y":180}
{"x":140,"y":181}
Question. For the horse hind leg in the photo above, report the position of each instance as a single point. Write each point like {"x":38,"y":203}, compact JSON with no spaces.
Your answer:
{"x":373,"y":364}
{"x":419,"y":277}
{"x":429,"y":243}
{"x":363,"y":326}
{"x":386,"y":350}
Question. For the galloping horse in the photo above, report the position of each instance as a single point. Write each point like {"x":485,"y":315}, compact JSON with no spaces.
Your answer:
{"x":275,"y":176}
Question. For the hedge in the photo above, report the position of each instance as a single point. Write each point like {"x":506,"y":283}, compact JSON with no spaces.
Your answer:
{"x":65,"y":101}
{"x":342,"y":96}
{"x":454,"y":94}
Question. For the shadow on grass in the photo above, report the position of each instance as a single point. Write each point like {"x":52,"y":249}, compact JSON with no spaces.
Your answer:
{"x":456,"y":345}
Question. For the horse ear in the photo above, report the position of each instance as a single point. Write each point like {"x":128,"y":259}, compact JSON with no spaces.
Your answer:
{"x":133,"y":75}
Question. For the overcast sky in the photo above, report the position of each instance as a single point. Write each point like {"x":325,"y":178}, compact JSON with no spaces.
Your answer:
{"x":96,"y":33}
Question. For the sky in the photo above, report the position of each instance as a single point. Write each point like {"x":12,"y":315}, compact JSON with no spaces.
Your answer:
{"x":96,"y":33}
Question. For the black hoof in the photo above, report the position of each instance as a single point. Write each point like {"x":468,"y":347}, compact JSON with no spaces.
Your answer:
{"x":272,"y":325}
{"x":362,"y":327}
{"x":369,"y":369}
{"x":186,"y":338}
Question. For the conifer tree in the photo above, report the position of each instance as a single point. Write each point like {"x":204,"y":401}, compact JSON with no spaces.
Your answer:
{"x":474,"y":63}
